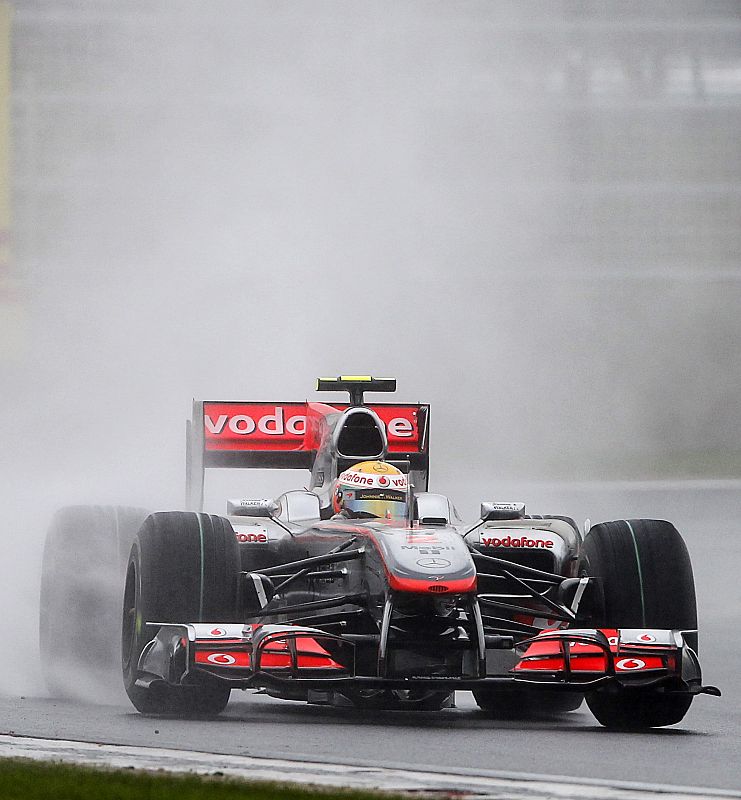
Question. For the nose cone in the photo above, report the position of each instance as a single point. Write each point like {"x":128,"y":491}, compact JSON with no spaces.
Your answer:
{"x":425,"y":560}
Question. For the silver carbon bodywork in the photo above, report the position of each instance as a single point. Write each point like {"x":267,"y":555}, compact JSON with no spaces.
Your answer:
{"x":554,"y":538}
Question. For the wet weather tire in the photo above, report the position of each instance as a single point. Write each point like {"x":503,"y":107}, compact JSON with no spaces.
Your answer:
{"x":183,"y":568}
{"x":638,"y":710}
{"x":647,"y":582}
{"x":80,"y":610}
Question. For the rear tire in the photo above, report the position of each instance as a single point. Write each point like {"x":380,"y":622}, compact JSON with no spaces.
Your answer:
{"x":183,"y":568}
{"x":647,"y":582}
{"x":83,"y":566}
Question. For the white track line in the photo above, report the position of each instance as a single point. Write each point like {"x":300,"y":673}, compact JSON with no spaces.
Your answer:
{"x":462,"y":783}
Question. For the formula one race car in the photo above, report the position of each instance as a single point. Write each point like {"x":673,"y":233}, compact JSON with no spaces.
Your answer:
{"x":367,"y":590}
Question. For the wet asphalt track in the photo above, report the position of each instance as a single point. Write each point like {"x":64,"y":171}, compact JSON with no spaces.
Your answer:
{"x":705,"y":750}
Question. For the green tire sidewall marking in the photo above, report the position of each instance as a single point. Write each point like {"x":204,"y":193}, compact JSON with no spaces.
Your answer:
{"x":199,"y":517}
{"x":640,"y":574}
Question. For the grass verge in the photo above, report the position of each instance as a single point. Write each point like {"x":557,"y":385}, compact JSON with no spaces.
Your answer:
{"x":23,"y":779}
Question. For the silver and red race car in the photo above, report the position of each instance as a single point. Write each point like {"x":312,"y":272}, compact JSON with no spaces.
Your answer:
{"x":306,"y":597}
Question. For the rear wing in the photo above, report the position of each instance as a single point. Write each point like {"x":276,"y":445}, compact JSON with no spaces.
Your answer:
{"x":286,"y":436}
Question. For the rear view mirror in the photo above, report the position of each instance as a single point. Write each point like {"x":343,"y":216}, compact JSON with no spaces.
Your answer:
{"x":251,"y":508}
{"x":432,"y":509}
{"x":491,"y":510}
{"x":298,"y":506}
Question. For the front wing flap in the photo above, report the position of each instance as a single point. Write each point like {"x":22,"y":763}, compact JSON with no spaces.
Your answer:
{"x":241,"y":653}
{"x":626,"y":657}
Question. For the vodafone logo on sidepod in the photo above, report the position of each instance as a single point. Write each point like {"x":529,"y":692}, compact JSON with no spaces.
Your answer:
{"x":516,"y":541}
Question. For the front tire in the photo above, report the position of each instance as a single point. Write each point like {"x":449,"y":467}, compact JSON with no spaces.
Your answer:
{"x":183,"y":568}
{"x":647,"y":582}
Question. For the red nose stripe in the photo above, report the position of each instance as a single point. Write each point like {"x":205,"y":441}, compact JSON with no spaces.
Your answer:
{"x":459,"y":586}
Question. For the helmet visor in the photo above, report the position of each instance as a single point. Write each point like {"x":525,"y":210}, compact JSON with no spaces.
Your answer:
{"x":381,"y":503}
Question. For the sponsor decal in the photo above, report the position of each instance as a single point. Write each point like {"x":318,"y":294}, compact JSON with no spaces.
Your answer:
{"x":283,"y":426}
{"x":274,"y":424}
{"x":251,"y":538}
{"x":236,"y":658}
{"x":515,"y":541}
{"x":647,"y":637}
{"x":428,"y":550}
{"x":433,"y":563}
{"x":400,"y":428}
{"x":358,"y":478}
{"x":630,"y":663}
{"x":422,"y":538}
{"x":222,"y":659}
{"x":379,"y":494}
{"x":367,"y":479}
{"x":205,"y":631}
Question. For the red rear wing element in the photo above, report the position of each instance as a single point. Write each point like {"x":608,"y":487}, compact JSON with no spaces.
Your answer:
{"x":282,"y":427}
{"x":283,"y":435}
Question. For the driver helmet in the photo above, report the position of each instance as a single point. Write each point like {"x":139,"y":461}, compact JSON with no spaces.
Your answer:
{"x":371,"y":489}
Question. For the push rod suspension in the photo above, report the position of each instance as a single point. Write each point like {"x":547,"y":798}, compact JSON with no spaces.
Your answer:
{"x":552,"y":604}
{"x":329,"y":558}
{"x":312,"y":605}
{"x":512,"y":566}
{"x":317,"y":621}
{"x":504,"y":577}
{"x":304,"y":573}
{"x":500,"y":626}
{"x":485,"y":601}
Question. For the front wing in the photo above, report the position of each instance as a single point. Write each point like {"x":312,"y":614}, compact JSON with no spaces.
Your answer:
{"x":301,"y":658}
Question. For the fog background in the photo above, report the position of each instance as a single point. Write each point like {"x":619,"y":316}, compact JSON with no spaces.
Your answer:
{"x":527,"y":212}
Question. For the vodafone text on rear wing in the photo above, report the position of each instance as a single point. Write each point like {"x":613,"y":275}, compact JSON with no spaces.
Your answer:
{"x":302,"y":436}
